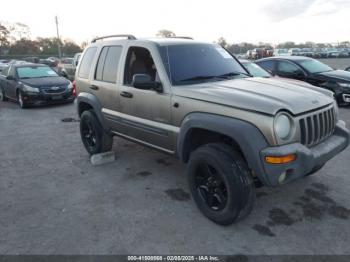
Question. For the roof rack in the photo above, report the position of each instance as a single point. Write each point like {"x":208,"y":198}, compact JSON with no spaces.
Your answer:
{"x":130,"y":37}
{"x":182,"y":37}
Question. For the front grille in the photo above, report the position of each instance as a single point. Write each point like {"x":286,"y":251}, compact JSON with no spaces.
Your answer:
{"x":316,"y":127}
{"x":50,"y":91}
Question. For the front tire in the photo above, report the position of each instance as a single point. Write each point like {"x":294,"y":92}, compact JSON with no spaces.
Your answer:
{"x":95,"y":139}
{"x":2,"y":95}
{"x":221,"y":183}
{"x":315,"y":170}
{"x":21,"y":102}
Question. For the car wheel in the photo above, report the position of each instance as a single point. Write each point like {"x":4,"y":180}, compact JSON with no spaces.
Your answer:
{"x":95,"y":139}
{"x":21,"y":102}
{"x":2,"y":95}
{"x":221,"y":183}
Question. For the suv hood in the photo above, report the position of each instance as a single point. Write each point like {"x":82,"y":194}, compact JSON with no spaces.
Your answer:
{"x":265,"y":95}
{"x":45,"y":81}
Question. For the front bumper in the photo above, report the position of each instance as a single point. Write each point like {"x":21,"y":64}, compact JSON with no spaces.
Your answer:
{"x":42,"y":99}
{"x":346,"y":98}
{"x":307,"y":158}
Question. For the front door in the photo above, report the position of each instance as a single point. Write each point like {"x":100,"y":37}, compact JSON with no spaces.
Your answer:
{"x":144,"y":114}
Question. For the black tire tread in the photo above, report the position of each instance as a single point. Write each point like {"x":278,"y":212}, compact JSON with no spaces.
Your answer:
{"x":245,"y":193}
{"x":106,"y":139}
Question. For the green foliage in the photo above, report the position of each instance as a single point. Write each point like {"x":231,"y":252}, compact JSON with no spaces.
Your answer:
{"x":4,"y":34}
{"x":15,"y":39}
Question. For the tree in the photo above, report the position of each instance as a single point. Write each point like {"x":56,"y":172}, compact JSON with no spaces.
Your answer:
{"x":222,"y":41}
{"x":4,"y":37}
{"x":69,"y":48}
{"x":25,"y":47}
{"x":165,"y":33}
{"x":19,"y":31}
{"x":286,"y":45}
{"x":48,"y":46}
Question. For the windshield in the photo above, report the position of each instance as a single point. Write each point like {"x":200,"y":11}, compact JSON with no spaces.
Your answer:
{"x":256,"y":70}
{"x":314,"y":66}
{"x":35,"y":72}
{"x":196,"y":63}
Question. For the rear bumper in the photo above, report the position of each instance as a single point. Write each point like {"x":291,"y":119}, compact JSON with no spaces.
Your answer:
{"x":307,"y":158}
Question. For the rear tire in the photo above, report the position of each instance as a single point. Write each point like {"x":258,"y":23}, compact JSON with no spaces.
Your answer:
{"x":95,"y":139}
{"x":221,"y":183}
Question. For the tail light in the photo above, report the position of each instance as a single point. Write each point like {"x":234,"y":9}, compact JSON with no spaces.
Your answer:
{"x":74,"y":88}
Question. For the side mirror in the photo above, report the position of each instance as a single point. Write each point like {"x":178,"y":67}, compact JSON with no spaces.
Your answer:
{"x":10,"y":77}
{"x":144,"y":81}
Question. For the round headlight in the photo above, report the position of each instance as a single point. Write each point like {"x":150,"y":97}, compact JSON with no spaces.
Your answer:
{"x":283,"y":126}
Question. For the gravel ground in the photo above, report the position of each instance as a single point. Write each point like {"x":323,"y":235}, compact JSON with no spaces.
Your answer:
{"x":53,"y":201}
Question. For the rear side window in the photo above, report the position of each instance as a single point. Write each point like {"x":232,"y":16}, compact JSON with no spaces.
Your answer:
{"x":267,"y":65}
{"x":100,"y":64}
{"x":107,"y":66}
{"x":86,"y":62}
{"x":287,"y":67}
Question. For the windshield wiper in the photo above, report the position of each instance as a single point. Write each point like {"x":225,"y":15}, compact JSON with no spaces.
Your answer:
{"x":231,"y":74}
{"x":217,"y":77}
{"x":198,"y":78}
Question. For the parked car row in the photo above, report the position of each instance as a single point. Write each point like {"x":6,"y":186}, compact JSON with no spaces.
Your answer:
{"x":311,"y":71}
{"x":329,"y":52}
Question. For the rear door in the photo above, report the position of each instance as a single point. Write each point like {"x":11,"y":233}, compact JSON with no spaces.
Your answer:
{"x":105,"y":78}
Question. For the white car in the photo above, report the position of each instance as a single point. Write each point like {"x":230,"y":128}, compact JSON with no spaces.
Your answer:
{"x":280,"y":52}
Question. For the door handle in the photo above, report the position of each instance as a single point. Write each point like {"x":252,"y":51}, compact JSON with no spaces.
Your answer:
{"x":126,"y":94}
{"x":93,"y":87}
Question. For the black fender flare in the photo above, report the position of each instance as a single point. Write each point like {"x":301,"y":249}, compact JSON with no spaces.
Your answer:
{"x":93,"y":101}
{"x":248,"y":137}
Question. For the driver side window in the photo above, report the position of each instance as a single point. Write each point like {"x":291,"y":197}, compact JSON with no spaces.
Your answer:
{"x":139,"y":61}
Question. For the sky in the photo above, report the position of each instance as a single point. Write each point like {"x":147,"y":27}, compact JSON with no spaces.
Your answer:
{"x":271,"y":21}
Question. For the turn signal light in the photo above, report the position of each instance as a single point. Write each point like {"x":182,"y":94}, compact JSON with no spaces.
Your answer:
{"x":280,"y":159}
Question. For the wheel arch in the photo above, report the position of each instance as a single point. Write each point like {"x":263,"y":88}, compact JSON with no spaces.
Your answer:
{"x":242,"y":135}
{"x":87,"y":101}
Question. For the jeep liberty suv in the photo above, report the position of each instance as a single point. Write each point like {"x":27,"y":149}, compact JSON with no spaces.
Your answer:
{"x":195,"y":101}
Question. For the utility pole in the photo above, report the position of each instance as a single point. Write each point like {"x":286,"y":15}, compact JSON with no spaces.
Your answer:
{"x":58,"y":38}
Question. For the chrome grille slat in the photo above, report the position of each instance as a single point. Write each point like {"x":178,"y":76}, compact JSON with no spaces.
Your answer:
{"x":317,"y":126}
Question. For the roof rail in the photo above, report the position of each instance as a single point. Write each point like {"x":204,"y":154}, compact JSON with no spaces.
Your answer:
{"x":182,"y":37}
{"x":130,"y":37}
